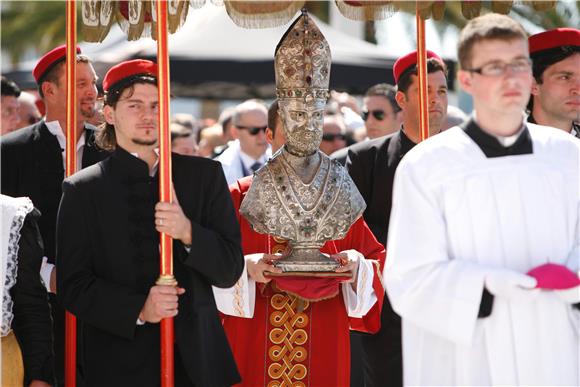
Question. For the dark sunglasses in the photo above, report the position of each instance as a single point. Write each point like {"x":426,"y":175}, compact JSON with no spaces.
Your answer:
{"x":332,"y":137}
{"x":378,"y":114}
{"x":253,"y":130}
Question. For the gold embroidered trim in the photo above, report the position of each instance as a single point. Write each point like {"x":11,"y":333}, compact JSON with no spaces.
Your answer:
{"x":239,"y":298}
{"x":287,"y":338}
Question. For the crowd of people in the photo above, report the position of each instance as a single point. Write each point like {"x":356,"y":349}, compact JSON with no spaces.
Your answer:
{"x":465,"y":261}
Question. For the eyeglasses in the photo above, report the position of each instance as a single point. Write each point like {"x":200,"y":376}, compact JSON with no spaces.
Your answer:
{"x":253,"y":130}
{"x":378,"y":114}
{"x":332,"y":137}
{"x":496,"y":69}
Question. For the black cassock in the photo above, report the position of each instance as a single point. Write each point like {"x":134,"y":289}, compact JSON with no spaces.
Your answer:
{"x":32,"y":166}
{"x":372,"y":165}
{"x":108,"y":258}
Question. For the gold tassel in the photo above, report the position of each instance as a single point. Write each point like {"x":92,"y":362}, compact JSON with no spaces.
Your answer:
{"x":176,"y":14}
{"x":262,"y":13}
{"x":438,"y":9}
{"x":501,"y":6}
{"x":470,"y":8}
{"x":366,"y":10}
{"x":412,"y":6}
{"x":542,"y":5}
{"x":97,"y":19}
{"x":133,"y":25}
{"x":196,"y":4}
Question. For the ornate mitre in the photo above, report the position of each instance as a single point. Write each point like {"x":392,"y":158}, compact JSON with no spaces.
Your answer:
{"x":302,"y":61}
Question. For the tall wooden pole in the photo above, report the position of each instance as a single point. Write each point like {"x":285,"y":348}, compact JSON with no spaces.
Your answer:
{"x":71,"y":166}
{"x":422,"y":75}
{"x":165,"y":193}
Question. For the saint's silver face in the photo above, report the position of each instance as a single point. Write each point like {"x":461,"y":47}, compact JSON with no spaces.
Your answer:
{"x":302,"y":120}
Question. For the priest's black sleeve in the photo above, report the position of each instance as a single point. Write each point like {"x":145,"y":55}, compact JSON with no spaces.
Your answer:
{"x":32,"y":323}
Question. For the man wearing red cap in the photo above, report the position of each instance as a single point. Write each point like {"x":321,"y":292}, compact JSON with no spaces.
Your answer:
{"x":108,"y":249}
{"x":484,"y":236}
{"x":556,"y":89}
{"x":33,"y":160}
{"x":372,"y":166}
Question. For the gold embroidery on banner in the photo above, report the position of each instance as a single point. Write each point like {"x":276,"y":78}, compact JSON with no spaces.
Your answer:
{"x":287,"y":338}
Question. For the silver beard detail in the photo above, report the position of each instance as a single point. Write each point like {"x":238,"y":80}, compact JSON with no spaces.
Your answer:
{"x":302,"y":119}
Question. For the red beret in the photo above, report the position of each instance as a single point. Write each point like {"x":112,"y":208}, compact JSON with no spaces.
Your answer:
{"x":409,"y":60}
{"x":554,"y":38}
{"x":49,"y":60}
{"x":128,"y":69}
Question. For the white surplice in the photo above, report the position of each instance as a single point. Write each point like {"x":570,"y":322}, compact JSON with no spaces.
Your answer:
{"x":458,"y":215}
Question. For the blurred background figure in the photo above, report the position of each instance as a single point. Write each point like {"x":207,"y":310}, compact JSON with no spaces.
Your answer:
{"x":29,"y":113}
{"x":333,"y":134}
{"x":9,"y":106}
{"x":225,"y":121}
{"x":455,"y":116}
{"x":209,"y":139}
{"x":187,"y":120}
{"x":250,"y":150}
{"x":348,"y":107}
{"x":183,"y":140}
{"x":380,"y":112}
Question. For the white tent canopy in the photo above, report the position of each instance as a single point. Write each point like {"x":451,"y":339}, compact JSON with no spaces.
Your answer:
{"x":212,"y":57}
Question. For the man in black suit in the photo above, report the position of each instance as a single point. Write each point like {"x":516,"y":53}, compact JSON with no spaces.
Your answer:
{"x":33,"y":160}
{"x":108,"y":249}
{"x":372,"y":166}
{"x":380,"y":113}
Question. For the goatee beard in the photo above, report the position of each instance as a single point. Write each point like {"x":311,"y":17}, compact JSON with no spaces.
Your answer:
{"x":143,"y":142}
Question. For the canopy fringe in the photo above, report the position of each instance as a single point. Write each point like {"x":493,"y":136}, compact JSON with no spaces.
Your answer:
{"x":261,"y":13}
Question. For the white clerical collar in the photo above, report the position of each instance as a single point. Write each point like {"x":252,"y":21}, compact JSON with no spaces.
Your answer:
{"x":153,"y":170}
{"x":507,"y":141}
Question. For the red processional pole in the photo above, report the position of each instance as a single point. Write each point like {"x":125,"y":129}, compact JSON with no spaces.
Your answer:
{"x":422,"y":75}
{"x":71,"y":167}
{"x":165,"y":195}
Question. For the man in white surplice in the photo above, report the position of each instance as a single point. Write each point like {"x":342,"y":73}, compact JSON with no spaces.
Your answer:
{"x":474,"y":209}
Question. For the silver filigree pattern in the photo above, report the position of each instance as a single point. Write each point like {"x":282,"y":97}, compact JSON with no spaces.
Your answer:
{"x":279,"y":203}
{"x":302,"y":61}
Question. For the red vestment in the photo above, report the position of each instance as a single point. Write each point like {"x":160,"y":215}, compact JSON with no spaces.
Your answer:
{"x":290,"y":342}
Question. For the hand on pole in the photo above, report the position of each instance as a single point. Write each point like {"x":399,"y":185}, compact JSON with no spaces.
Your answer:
{"x":162,"y":302}
{"x":170,"y":219}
